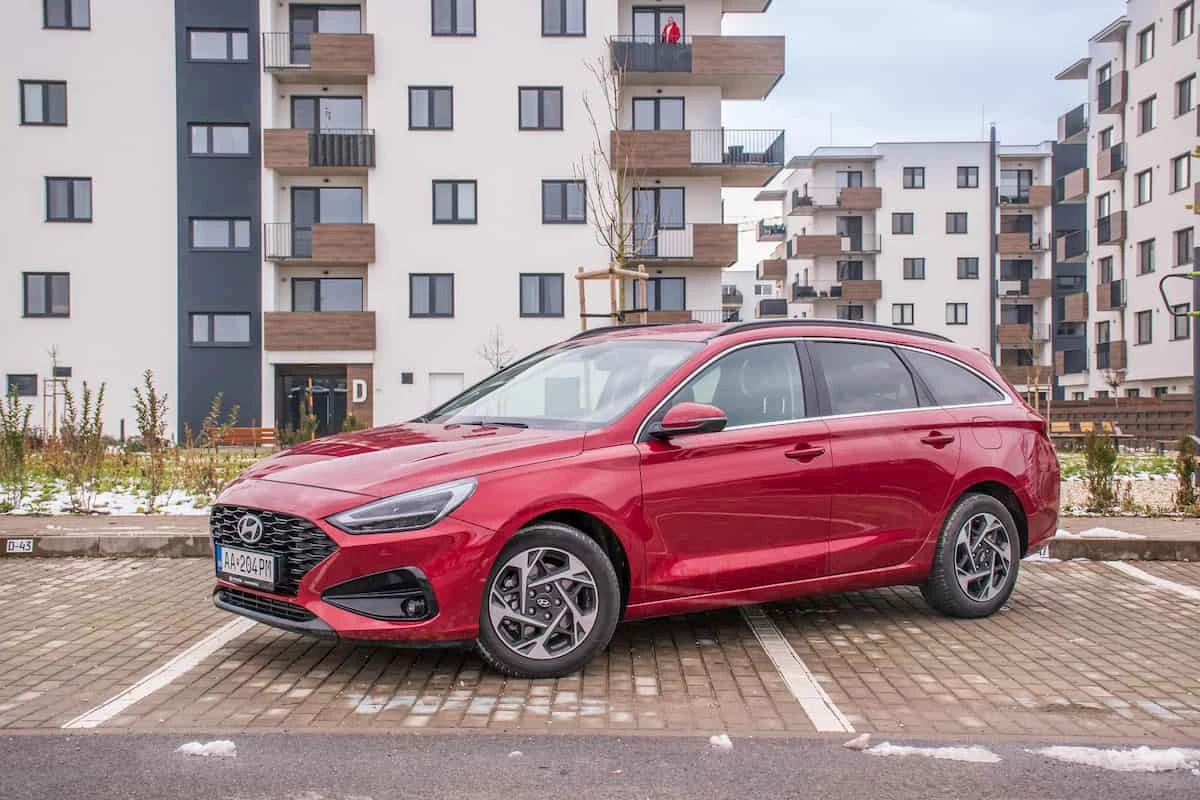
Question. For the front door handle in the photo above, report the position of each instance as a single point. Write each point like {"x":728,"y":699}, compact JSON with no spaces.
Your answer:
{"x":937,"y":439}
{"x":804,"y":453}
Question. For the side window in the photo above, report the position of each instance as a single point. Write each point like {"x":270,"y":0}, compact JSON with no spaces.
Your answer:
{"x":951,"y":384}
{"x":752,"y":385}
{"x":861,"y":378}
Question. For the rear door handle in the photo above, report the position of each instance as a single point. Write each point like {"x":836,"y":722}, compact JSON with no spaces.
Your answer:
{"x":804,"y":453}
{"x":937,"y":439}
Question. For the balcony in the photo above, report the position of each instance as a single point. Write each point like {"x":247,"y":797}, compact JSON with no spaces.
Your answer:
{"x":1110,"y":94}
{"x":1073,"y":126}
{"x":319,"y":244}
{"x":772,"y":230}
{"x":771,"y":308}
{"x":1024,"y":374}
{"x":1024,"y":288}
{"x":1072,"y":307}
{"x":840,"y":198}
{"x":319,"y":57}
{"x":1020,"y":333}
{"x":1072,"y":187}
{"x":844,"y":290}
{"x":772,"y":269}
{"x":707,"y":316}
{"x":814,"y":246}
{"x":319,"y":330}
{"x":1016,"y":244}
{"x":1025,"y":197}
{"x":1111,"y":229}
{"x":1110,"y":296}
{"x":745,"y":67}
{"x":297,"y":151}
{"x":1111,"y":355}
{"x":698,"y":245}
{"x":1070,"y":362}
{"x":740,"y":158}
{"x":1110,"y":163}
{"x":1071,"y":248}
{"x":731,"y":297}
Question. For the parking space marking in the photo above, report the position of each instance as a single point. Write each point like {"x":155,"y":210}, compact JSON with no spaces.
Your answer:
{"x":1190,"y":592}
{"x":164,"y":675}
{"x":825,"y":716}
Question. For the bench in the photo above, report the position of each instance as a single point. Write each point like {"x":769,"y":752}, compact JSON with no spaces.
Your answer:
{"x":247,"y":437}
{"x":1063,"y":431}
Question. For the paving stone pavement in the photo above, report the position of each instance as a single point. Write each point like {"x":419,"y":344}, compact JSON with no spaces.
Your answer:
{"x":1081,"y":652}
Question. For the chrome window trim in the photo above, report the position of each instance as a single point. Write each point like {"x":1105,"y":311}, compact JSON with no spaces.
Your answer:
{"x":1006,"y":401}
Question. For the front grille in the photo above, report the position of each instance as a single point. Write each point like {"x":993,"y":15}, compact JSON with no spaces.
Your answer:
{"x":301,"y":543}
{"x":265,"y":605}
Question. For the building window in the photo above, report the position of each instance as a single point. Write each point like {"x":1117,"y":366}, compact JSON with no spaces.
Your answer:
{"x":914,"y":177}
{"x":68,"y":199}
{"x":902,"y":223}
{"x":47,"y":294}
{"x":67,"y":14}
{"x":430,"y":108}
{"x":658,"y":113}
{"x":220,"y":140}
{"x":220,"y":330}
{"x":541,"y":295}
{"x":1183,"y":247}
{"x":902,"y":313}
{"x":1159,"y":392}
{"x":1145,"y":45}
{"x":564,"y":202}
{"x":1105,"y":269}
{"x":220,"y":234}
{"x":1181,"y":324}
{"x":431,"y":295}
{"x":1101,"y":394}
{"x":662,"y":294}
{"x":22,"y":385}
{"x":956,"y":313}
{"x":327,"y":294}
{"x":1078,"y":395}
{"x":1145,"y":331}
{"x":564,"y":18}
{"x":914,"y":269}
{"x":956,"y":222}
{"x":217,"y":45}
{"x":968,"y":269}
{"x":1185,"y":17}
{"x":1184,"y":101}
{"x":853,"y":313}
{"x":540,"y":108}
{"x":968,"y":177}
{"x":1181,"y":172}
{"x":1133,"y":394}
{"x":453,"y":17}
{"x":1106,"y":138}
{"x":1145,"y":187}
{"x":1147,"y":115}
{"x":454,"y":203}
{"x":1145,"y":257}
{"x":43,"y":102}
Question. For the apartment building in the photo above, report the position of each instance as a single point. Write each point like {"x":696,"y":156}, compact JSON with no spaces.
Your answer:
{"x":358,"y":207}
{"x":1135,"y":132}
{"x":950,"y":237}
{"x":745,"y":298}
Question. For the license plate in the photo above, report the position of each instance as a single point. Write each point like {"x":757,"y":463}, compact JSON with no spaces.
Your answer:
{"x":244,"y":566}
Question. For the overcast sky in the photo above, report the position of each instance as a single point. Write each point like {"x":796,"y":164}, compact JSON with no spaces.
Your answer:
{"x":898,"y":70}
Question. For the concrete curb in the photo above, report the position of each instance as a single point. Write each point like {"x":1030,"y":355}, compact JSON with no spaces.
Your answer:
{"x":1123,"y":549}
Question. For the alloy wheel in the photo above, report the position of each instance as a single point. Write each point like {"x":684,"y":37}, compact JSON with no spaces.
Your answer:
{"x":982,"y":557}
{"x":542,"y":604}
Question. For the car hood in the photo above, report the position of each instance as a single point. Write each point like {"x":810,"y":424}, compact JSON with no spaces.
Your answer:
{"x":384,"y":461}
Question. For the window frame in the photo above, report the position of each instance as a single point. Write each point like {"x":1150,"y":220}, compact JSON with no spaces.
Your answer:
{"x":955,"y":307}
{"x":658,"y":281}
{"x":1184,"y":255}
{"x":1145,"y":44}
{"x":1140,"y":198}
{"x":1190,"y":83}
{"x":1178,"y":16}
{"x":48,"y":283}
{"x":1145,"y":256}
{"x":1150,"y":103}
{"x":208,"y":140}
{"x":432,"y":314}
{"x":564,"y":185}
{"x":212,"y":315}
{"x":657,"y":101}
{"x":232,"y":230}
{"x":455,"y":218}
{"x":229,"y":34}
{"x":563,"y":7}
{"x":542,"y":295}
{"x":956,"y":216}
{"x":317,"y":280}
{"x":917,"y":273}
{"x":71,"y":217}
{"x":1147,"y":316}
{"x":964,"y":260}
{"x":432,"y":104}
{"x":901,"y":217}
{"x":453,"y":19}
{"x":1186,"y":160}
{"x":69,"y":14}
{"x":1176,"y":321}
{"x":972,"y":177}
{"x":905,"y":319}
{"x":909,"y":178}
{"x":541,"y":93}
{"x":22,"y":83}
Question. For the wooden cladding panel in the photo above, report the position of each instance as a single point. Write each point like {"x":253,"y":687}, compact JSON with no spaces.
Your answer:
{"x":862,"y":290}
{"x":1041,"y":196}
{"x":1105,"y":166}
{"x":1075,"y":307}
{"x":658,"y":150}
{"x":348,"y":53}
{"x":1116,"y":355}
{"x":861,"y":198}
{"x":319,"y":330}
{"x":285,"y":148}
{"x":772,"y":269}
{"x":1040,"y":288}
{"x":343,"y":244}
{"x":1012,"y":243}
{"x":817,"y":245}
{"x":364,"y":411}
{"x":1016,"y":333}
{"x":737,"y":55}
{"x":1075,"y":184}
{"x":715,"y":244}
{"x":1117,"y":227}
{"x":1104,"y":297}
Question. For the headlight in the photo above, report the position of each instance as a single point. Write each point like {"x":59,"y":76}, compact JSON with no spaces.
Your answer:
{"x":410,"y":511}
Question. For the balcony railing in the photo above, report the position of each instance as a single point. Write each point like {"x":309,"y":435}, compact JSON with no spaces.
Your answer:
{"x":1104,"y":94}
{"x":1110,"y":296}
{"x":342,"y":147}
{"x":861,"y":243}
{"x":1072,"y":246}
{"x":1033,"y":288}
{"x":745,"y":67}
{"x":772,"y":230}
{"x":852,"y":289}
{"x":1110,"y":355}
{"x":1072,"y":126}
{"x":348,"y":54}
{"x":1110,"y":229}
{"x":731,"y":296}
{"x":1110,"y":94}
{"x":769,"y":307}
{"x":702,"y":243}
{"x":711,"y":316}
{"x":850,"y":198}
{"x":1111,"y":162}
{"x":647,"y":54}
{"x":338,"y":243}
{"x":738,"y":147}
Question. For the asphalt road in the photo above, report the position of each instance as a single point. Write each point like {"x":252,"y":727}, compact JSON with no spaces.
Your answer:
{"x":461,"y":766}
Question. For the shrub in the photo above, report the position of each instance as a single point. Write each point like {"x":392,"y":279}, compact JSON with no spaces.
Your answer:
{"x":1185,"y":471}
{"x":151,"y":409}
{"x":1100,"y":456}
{"x":82,"y":442}
{"x":14,"y":433}
{"x":352,"y":423}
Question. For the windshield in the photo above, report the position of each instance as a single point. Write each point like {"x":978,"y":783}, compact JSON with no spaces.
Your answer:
{"x":579,"y":387}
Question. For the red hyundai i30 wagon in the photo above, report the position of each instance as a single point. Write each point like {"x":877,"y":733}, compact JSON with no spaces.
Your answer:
{"x":642,"y":471}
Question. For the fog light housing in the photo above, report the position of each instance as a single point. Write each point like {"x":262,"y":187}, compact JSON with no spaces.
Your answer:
{"x":400,"y":595}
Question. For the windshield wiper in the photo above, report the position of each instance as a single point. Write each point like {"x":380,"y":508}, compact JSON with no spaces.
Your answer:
{"x":484,"y":423}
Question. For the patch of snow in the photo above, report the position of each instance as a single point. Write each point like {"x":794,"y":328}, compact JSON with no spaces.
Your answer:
{"x":1138,"y":759}
{"x":515,"y":754}
{"x":53,"y":498}
{"x":1098,"y":533}
{"x":974,"y":753}
{"x":859,"y":742}
{"x":221,"y":748}
{"x":720,"y":742}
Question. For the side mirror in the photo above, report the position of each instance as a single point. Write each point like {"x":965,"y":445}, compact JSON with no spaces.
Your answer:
{"x":690,"y":418}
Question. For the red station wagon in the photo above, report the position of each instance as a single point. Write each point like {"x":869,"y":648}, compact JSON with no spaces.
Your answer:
{"x":634,"y":472}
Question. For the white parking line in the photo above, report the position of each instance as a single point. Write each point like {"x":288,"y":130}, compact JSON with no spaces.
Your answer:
{"x":164,"y":675}
{"x":825,"y":716}
{"x":1162,"y":583}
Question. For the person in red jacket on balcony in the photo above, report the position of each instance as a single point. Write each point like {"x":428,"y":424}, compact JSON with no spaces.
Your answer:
{"x":670,"y":32}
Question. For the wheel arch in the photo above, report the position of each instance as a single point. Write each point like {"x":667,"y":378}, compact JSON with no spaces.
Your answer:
{"x":1008,"y":497}
{"x":599,"y":532}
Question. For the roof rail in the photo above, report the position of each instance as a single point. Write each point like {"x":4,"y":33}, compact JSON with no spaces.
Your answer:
{"x":611,"y":328}
{"x":824,"y":323}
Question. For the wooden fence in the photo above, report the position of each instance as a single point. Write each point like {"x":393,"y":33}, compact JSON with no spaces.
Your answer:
{"x":1149,"y":421}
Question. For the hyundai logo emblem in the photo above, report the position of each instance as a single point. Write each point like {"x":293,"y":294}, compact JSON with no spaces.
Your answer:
{"x":249,"y":529}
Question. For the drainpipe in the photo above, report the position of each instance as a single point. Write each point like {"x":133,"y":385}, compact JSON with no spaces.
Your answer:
{"x":993,"y":299}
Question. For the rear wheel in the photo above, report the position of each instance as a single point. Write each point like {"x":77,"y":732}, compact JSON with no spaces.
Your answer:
{"x":978,"y":555}
{"x":551,"y":603}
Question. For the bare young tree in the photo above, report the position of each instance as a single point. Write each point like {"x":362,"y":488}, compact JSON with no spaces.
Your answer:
{"x":1113,"y":378}
{"x":495,"y":350}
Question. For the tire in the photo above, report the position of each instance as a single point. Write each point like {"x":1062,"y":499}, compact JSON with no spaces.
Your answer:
{"x":581,"y":616}
{"x":951,"y":589}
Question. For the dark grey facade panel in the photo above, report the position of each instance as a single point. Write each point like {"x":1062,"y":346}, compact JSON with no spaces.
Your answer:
{"x":1066,"y":217}
{"x":228,"y":281}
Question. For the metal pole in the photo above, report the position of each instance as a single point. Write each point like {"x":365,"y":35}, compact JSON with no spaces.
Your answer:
{"x":1195,"y":344}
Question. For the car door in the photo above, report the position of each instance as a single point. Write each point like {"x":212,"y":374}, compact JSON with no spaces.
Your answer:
{"x":895,"y":455}
{"x":746,"y":506}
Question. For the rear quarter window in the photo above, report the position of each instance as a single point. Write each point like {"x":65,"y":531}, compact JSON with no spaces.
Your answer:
{"x":951,"y":383}
{"x":861,"y":378}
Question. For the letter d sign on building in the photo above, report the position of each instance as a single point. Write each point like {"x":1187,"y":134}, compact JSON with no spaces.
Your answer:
{"x":358,"y":393}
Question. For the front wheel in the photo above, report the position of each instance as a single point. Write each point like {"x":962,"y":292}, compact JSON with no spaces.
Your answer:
{"x":551,"y":603}
{"x":978,"y":554}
